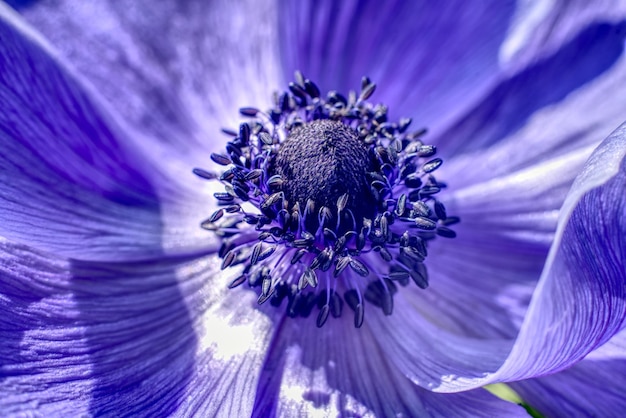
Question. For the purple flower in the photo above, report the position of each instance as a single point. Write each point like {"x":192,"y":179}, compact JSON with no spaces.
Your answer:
{"x":113,"y":299}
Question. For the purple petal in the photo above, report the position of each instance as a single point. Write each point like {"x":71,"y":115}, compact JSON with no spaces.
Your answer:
{"x":69,"y":181}
{"x":540,"y":27}
{"x":342,"y":371}
{"x":593,"y":387}
{"x":428,"y":71}
{"x":428,"y":59}
{"x":491,"y":269}
{"x":178,"y":72}
{"x":508,"y":197}
{"x":526,"y":100}
{"x":73,"y":180}
{"x":584,"y":270}
{"x":149,"y":338}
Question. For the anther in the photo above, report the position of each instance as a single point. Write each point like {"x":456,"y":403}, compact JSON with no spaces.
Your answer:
{"x":339,"y":199}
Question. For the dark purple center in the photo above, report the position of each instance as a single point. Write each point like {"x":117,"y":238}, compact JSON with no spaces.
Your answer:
{"x":323,"y":161}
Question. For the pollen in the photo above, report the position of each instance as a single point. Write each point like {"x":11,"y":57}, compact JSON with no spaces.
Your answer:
{"x":341,"y":203}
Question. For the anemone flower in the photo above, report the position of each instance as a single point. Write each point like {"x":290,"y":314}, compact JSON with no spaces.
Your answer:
{"x":375,"y":277}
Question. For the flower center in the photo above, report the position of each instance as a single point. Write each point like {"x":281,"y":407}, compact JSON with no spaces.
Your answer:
{"x":322,"y":163}
{"x":340,"y":203}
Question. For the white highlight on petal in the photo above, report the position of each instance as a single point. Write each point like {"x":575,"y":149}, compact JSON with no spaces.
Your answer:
{"x":528,"y":16}
{"x":227,"y":340}
{"x":300,"y":381}
{"x":226,"y":322}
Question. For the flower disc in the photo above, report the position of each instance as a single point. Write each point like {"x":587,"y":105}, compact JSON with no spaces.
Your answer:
{"x":322,"y":161}
{"x":343,"y":203}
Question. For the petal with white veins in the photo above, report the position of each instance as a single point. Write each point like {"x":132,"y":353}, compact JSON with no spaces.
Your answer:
{"x":83,"y":338}
{"x":342,"y":371}
{"x":580,"y":301}
{"x":481,"y":282}
{"x":150,"y":338}
{"x":177,"y":71}
{"x":71,"y":180}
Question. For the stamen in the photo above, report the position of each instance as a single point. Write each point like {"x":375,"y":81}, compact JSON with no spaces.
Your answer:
{"x":335,"y":189}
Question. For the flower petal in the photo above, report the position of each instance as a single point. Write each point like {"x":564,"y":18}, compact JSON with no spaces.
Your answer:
{"x":508,"y":197}
{"x":584,"y":270}
{"x":342,"y":371}
{"x":540,"y":27}
{"x":429,"y":59}
{"x":481,"y":282}
{"x":178,"y":72}
{"x":80,"y":339}
{"x":71,"y":180}
{"x":124,"y":338}
{"x":590,"y":388}
{"x":520,"y":112}
{"x":233,"y":340}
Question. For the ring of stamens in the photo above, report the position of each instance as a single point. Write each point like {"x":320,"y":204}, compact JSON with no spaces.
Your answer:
{"x":327,"y":202}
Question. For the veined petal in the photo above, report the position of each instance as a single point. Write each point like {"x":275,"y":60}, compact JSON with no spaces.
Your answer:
{"x":540,"y":27}
{"x":523,"y":204}
{"x":77,"y":336}
{"x":71,"y":180}
{"x":540,"y":109}
{"x":124,"y":338}
{"x":481,"y":282}
{"x":431,"y":58}
{"x":593,"y":387}
{"x":177,"y":71}
{"x":584,"y":270}
{"x":344,"y":372}
{"x":233,"y":340}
